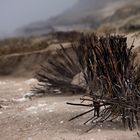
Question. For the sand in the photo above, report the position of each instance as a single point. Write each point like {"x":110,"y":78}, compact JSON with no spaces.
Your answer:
{"x":47,"y":118}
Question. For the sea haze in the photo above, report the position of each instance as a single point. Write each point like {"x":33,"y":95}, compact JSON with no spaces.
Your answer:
{"x":17,"y":13}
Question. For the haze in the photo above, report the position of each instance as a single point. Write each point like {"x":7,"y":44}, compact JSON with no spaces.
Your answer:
{"x":17,"y":13}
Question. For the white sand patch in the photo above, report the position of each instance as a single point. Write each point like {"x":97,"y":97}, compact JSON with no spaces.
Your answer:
{"x":30,"y":81}
{"x":2,"y":83}
{"x":3,"y":100}
{"x":99,"y":130}
{"x":61,"y":122}
{"x":28,"y":94}
{"x":4,"y":106}
{"x":50,"y":110}
{"x":37,"y":108}
{"x":1,"y":112}
{"x":23,"y":99}
{"x":41,"y":107}
{"x":20,"y":89}
{"x":31,"y":108}
{"x":15,"y":83}
{"x":54,"y":103}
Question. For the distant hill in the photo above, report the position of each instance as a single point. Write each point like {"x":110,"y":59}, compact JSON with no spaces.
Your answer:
{"x":96,"y":14}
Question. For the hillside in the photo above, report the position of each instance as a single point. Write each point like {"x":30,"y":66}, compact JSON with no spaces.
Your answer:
{"x":91,"y":14}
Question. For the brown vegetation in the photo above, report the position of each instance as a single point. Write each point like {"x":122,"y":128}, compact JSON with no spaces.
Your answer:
{"x":111,"y":78}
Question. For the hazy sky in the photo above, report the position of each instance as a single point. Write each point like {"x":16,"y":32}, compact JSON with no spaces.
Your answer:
{"x":17,"y":13}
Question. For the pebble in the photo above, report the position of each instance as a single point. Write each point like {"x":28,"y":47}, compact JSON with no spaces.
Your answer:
{"x":62,"y":122}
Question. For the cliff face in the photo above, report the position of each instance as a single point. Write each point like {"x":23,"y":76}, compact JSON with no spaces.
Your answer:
{"x":84,"y":10}
{"x":91,"y":13}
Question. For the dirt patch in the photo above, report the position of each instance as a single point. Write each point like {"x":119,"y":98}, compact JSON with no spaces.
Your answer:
{"x":47,"y":118}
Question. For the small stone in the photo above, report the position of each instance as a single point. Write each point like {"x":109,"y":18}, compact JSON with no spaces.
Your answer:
{"x":62,"y":122}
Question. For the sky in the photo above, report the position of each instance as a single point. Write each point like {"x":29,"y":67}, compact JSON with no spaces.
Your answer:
{"x":18,"y":13}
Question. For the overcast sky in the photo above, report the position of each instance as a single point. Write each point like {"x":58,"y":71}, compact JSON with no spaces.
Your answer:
{"x":17,"y":13}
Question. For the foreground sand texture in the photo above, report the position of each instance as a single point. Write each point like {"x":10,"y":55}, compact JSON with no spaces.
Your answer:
{"x":47,"y":118}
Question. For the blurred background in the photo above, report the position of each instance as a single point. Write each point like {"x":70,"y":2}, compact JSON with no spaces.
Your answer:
{"x":39,"y":17}
{"x":31,"y":30}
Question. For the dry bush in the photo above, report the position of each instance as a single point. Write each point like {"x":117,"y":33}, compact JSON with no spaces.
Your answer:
{"x":110,"y":76}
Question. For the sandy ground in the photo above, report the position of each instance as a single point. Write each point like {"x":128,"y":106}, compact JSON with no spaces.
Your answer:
{"x":47,"y":118}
